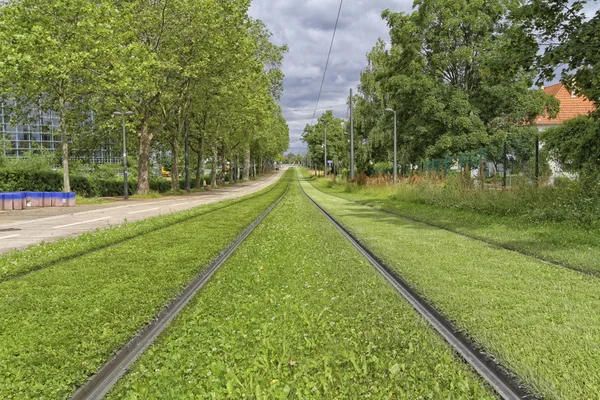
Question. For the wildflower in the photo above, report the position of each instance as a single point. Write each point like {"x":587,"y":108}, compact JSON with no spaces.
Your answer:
{"x":292,"y":363}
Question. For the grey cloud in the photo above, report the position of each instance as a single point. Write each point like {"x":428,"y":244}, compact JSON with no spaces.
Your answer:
{"x":306,"y":27}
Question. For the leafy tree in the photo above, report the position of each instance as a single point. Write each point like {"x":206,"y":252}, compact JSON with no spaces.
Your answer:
{"x":54,"y":56}
{"x":458,"y":74}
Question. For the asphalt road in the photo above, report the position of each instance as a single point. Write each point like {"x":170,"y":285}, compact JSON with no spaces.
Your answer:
{"x":20,"y":229}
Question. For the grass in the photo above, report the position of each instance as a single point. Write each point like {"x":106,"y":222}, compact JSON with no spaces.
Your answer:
{"x":87,"y":201}
{"x":16,"y":263}
{"x":150,"y":195}
{"x":60,"y":324}
{"x":297,"y":313}
{"x":563,"y":242}
{"x":539,"y":320}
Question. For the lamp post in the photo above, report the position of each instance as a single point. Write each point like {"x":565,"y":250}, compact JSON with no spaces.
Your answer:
{"x":125,"y":183}
{"x":395,"y":147}
{"x":325,"y":155}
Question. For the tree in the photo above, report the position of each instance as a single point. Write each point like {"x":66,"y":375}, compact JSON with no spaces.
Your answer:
{"x":54,"y":57}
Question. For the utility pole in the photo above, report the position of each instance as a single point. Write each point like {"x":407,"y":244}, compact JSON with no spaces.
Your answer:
{"x":125,"y":181}
{"x":351,"y":136}
{"x":537,"y":160}
{"x":325,"y":155}
{"x":505,"y":166}
{"x":395,"y":146}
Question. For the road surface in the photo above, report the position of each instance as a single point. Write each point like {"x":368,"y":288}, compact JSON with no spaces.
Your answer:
{"x":20,"y":229}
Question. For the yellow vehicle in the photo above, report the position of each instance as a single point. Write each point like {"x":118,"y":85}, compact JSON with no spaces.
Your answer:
{"x":165,"y":173}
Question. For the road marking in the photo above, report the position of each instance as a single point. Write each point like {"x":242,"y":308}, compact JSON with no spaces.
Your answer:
{"x":81,"y":223}
{"x":8,"y":237}
{"x":141,"y":211}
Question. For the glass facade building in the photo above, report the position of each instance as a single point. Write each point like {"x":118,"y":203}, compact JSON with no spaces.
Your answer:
{"x":42,"y":132}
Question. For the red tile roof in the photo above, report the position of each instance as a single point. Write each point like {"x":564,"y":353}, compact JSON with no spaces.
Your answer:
{"x":570,"y":107}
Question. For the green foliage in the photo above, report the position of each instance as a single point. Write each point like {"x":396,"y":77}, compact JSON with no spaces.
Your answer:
{"x":458,"y":74}
{"x":535,"y":318}
{"x":576,"y":144}
{"x":337,"y":142}
{"x":30,"y":179}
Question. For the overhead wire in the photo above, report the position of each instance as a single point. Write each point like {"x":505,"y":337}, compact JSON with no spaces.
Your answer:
{"x":327,"y":63}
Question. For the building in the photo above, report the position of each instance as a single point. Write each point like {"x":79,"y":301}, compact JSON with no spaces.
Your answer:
{"x":42,"y":132}
{"x":571,"y":106}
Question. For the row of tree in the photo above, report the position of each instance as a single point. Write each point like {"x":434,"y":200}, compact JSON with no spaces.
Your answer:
{"x":196,"y":69}
{"x":461,"y":75}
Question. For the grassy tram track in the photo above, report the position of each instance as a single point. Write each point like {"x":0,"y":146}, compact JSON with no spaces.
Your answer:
{"x":59,"y":325}
{"x":297,"y":312}
{"x":17,"y":263}
{"x":565,"y":244}
{"x":538,"y":320}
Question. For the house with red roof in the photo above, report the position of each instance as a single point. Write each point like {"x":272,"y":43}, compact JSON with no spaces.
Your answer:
{"x":571,"y":106}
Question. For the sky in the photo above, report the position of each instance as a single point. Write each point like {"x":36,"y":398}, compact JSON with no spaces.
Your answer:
{"x":307,"y":27}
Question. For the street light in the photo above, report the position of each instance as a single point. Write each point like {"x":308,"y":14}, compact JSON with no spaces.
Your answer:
{"x":125,"y":183}
{"x":395,"y":146}
{"x":325,"y":155}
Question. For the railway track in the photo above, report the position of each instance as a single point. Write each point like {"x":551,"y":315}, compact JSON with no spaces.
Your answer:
{"x":179,"y":221}
{"x":108,"y":375}
{"x":499,"y":378}
{"x":488,"y":242}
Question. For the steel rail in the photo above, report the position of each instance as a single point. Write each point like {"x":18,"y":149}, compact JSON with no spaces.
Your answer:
{"x":498,"y":377}
{"x":100,"y":384}
{"x":475,"y":238}
{"x":218,"y":207}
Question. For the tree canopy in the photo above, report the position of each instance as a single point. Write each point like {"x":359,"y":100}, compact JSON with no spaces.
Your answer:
{"x":201,"y":69}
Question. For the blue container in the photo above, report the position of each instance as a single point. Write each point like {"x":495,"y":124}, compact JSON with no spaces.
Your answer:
{"x":56,"y":199}
{"x":70,"y":199}
{"x":18,"y":200}
{"x":46,"y":199}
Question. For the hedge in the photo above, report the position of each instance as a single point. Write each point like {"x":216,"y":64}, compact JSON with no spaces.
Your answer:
{"x":50,"y":181}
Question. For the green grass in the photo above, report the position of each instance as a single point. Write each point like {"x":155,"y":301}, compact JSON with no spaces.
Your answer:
{"x":87,"y":201}
{"x":298,"y":313}
{"x":19,"y":262}
{"x":59,"y":325}
{"x":567,"y":243}
{"x":539,"y":320}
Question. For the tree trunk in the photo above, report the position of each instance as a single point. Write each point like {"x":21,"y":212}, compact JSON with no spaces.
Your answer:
{"x":246,"y":174}
{"x":231,"y":169}
{"x":175,"y":162}
{"x":64,"y":137}
{"x":200,"y":164}
{"x":254,"y":169}
{"x":223,"y":166}
{"x":143,"y":184}
{"x":213,"y":174}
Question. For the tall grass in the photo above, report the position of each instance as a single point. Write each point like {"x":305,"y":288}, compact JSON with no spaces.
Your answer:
{"x":575,"y":201}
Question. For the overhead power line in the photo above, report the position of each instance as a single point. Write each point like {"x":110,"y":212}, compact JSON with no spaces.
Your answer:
{"x":311,"y":109}
{"x":327,"y":63}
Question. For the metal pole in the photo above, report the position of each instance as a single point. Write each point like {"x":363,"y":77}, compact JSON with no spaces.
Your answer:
{"x":187,"y":156}
{"x":351,"y":136}
{"x":505,"y":165}
{"x":395,"y":152}
{"x":537,"y":160}
{"x":325,"y":155}
{"x":125,"y":180}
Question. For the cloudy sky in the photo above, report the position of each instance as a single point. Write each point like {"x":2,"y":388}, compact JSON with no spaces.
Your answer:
{"x":306,"y":27}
